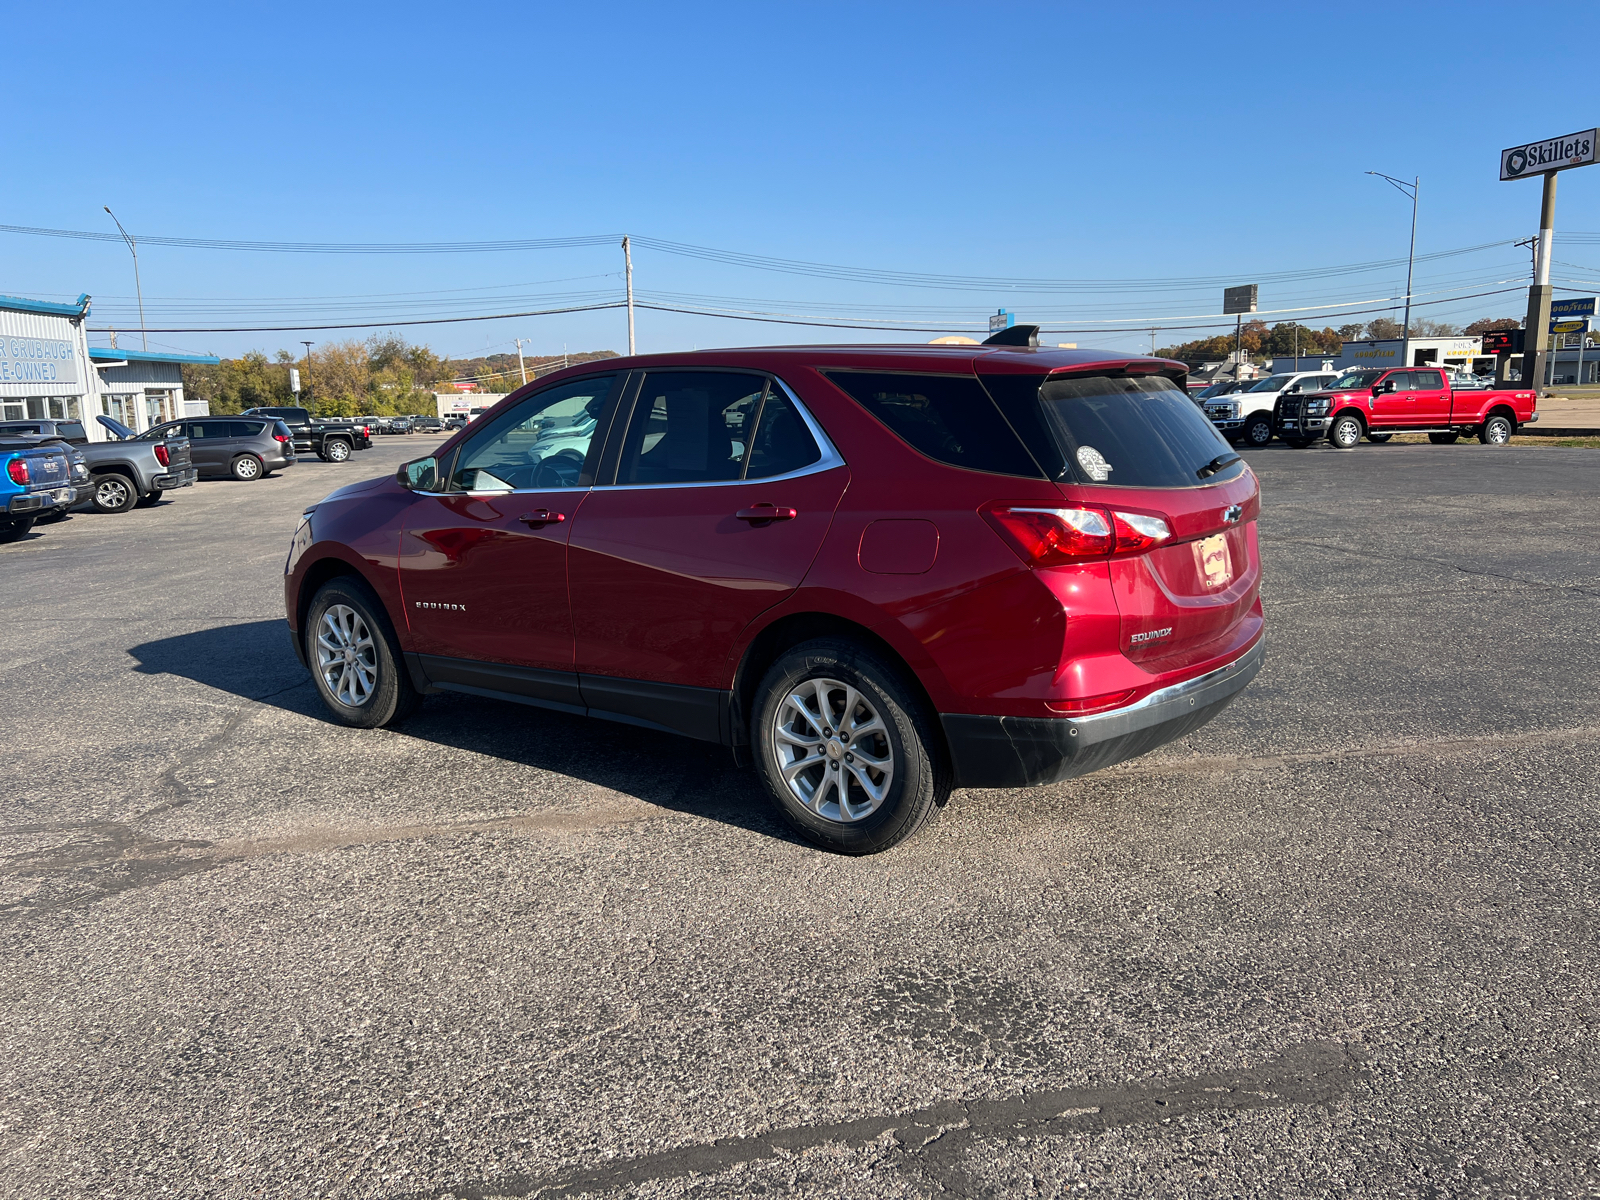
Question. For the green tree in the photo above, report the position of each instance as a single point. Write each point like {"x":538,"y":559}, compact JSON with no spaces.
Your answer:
{"x":1491,"y":325}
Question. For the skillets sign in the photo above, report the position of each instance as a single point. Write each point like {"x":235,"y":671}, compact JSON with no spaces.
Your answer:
{"x":1552,"y":154}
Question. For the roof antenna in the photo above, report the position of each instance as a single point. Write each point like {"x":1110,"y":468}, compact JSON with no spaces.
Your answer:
{"x":1016,"y":335}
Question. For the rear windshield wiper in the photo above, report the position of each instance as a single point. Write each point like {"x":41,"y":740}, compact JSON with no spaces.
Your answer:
{"x":1216,"y":464}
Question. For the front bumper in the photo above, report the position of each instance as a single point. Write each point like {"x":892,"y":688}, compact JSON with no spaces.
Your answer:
{"x":178,"y":479}
{"x":1303,"y":426}
{"x":996,"y":752}
{"x":40,"y":501}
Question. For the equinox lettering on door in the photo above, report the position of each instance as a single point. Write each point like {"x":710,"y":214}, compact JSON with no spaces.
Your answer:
{"x":432,"y":604}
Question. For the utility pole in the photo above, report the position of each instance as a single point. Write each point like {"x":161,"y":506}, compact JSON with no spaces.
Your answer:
{"x":1297,"y":345}
{"x":1411,"y":190}
{"x":308,"y":346}
{"x":627,"y":258}
{"x":1536,"y":334}
{"x":520,"y":365}
{"x":137,"y":289}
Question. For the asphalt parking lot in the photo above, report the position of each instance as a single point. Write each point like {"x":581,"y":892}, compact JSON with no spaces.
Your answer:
{"x":1342,"y":941}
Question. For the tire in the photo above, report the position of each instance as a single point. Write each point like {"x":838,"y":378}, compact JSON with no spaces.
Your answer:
{"x":1444,"y":439}
{"x":15,"y":529}
{"x":335,"y":450}
{"x":246,"y":468}
{"x":150,"y":498}
{"x":803,"y":694}
{"x":1346,"y":431}
{"x":113,"y":493}
{"x":1497,"y":430}
{"x":1379,"y":438}
{"x":1257,"y":430}
{"x":368,"y":687}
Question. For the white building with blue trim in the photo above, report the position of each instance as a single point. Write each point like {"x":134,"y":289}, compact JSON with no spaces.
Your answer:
{"x":49,"y":371}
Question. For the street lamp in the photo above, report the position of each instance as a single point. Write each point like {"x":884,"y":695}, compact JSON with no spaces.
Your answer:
{"x":138,"y":291}
{"x":1406,"y":189}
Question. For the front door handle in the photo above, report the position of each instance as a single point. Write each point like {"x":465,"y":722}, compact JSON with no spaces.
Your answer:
{"x":762,"y":513}
{"x":542,"y":516}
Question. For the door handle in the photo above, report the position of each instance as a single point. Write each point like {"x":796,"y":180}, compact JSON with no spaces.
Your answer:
{"x":762,"y":513}
{"x":542,"y":516}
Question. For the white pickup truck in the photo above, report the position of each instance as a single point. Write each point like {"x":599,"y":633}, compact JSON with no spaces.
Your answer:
{"x":1250,"y":414}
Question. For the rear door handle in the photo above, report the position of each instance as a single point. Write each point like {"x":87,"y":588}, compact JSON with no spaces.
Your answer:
{"x":763,"y":513}
{"x":542,"y":516}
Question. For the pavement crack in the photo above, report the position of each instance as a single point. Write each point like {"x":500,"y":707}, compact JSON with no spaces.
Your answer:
{"x":1311,"y":1073}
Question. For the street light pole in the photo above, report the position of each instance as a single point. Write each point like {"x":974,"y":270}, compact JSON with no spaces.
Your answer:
{"x":137,"y":288}
{"x":308,"y":346}
{"x":627,"y":258}
{"x":1411,"y":190}
{"x":520,"y":365}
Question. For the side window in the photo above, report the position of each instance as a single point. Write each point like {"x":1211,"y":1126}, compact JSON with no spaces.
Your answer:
{"x":1400,"y":381}
{"x":782,"y":443}
{"x":244,"y":429}
{"x":541,"y":443}
{"x":204,"y":430}
{"x":690,"y":427}
{"x":947,"y":417}
{"x":1429,"y":381}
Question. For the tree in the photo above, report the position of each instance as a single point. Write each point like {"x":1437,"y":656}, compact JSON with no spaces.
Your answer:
{"x":1421,"y":327}
{"x":1383,"y":330}
{"x":1492,"y":324}
{"x":1352,"y":333}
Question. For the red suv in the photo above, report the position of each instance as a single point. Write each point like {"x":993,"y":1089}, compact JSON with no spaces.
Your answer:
{"x":876,"y":572}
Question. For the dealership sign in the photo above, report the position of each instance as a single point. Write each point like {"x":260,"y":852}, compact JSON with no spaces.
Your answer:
{"x":1578,"y":306}
{"x":37,"y":360}
{"x":1552,"y":154}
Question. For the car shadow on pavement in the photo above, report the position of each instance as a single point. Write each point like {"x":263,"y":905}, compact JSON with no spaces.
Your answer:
{"x":255,"y":660}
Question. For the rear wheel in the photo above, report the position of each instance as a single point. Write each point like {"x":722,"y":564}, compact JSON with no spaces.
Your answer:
{"x":1444,"y":439}
{"x":355,"y":658}
{"x":847,"y":749}
{"x":1346,"y":431}
{"x":1496,"y":431}
{"x":1258,"y":430}
{"x":114,"y":494}
{"x":1379,"y":438}
{"x":246,"y":468}
{"x":335,"y":450}
{"x":15,"y":529}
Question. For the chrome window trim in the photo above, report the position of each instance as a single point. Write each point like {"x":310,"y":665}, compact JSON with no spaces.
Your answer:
{"x":830,"y":459}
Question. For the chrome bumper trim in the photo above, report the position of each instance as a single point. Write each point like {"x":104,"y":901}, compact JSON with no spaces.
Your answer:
{"x":1171,"y":703}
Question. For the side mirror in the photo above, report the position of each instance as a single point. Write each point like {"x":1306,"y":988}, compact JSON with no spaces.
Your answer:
{"x":419,"y":475}
{"x":1384,"y":388}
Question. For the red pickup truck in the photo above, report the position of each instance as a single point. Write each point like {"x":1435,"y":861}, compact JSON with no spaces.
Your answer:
{"x":1379,"y":402}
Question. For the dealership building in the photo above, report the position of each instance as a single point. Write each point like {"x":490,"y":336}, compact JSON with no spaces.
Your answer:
{"x":49,"y":371}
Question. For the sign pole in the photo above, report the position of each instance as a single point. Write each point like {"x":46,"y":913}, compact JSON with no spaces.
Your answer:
{"x":1535,"y":356}
{"x":1583,"y":336}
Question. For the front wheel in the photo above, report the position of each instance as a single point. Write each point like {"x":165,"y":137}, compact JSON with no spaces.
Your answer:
{"x":1346,"y":432}
{"x":1379,"y":438}
{"x":355,"y":657}
{"x":114,"y":494}
{"x":849,"y":753}
{"x":1258,"y":430}
{"x":1496,"y":431}
{"x":1444,"y":439}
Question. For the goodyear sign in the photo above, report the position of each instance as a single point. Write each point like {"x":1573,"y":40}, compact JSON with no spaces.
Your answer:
{"x":1578,"y":306}
{"x":1552,"y":154}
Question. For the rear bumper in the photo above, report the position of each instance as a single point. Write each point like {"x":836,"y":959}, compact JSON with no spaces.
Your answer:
{"x":994,"y":752}
{"x":178,"y":479}
{"x":41,"y":501}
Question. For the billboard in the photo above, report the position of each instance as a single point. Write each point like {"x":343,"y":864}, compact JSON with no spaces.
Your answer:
{"x":1552,"y":154}
{"x":1241,"y":299}
{"x":1578,"y":306}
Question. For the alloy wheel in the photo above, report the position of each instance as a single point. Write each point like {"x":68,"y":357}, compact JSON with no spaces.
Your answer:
{"x":347,"y":656}
{"x":1347,"y":433}
{"x":111,"y":493}
{"x":1498,"y":432}
{"x":833,"y":750}
{"x":247,"y":468}
{"x":338,"y":451}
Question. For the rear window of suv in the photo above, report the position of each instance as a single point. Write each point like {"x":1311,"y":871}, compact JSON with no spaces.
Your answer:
{"x":1121,"y":430}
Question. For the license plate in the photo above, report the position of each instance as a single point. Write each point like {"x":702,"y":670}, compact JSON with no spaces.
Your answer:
{"x":1211,"y":556}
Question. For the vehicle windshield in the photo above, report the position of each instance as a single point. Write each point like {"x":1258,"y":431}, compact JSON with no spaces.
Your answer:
{"x":1365,"y":377}
{"x":1272,"y":383}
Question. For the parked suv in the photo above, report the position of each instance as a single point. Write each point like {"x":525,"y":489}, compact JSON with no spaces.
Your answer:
{"x":245,"y":448}
{"x":877,"y":573}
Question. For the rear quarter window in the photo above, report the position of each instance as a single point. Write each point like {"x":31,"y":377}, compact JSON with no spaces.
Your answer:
{"x":949,"y":418}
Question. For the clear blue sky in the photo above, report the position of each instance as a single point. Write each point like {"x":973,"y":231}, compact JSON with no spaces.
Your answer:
{"x":1115,"y":142}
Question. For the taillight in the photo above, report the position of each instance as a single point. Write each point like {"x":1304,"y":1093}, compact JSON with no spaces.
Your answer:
{"x":280,"y":437}
{"x":17,"y":468}
{"x":161,"y":453}
{"x":1050,"y":537}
